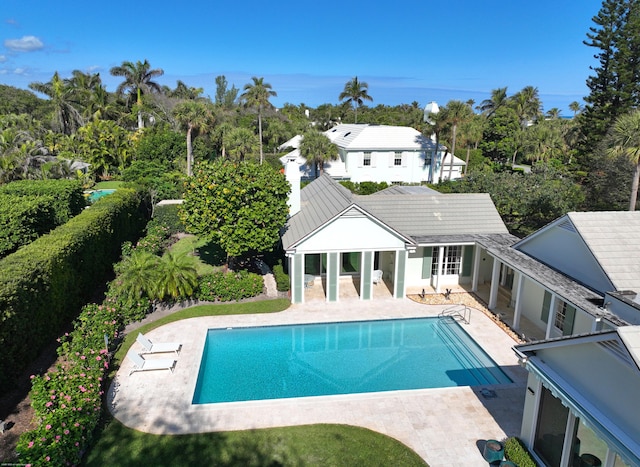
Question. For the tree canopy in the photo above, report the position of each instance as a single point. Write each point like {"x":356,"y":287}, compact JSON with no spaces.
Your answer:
{"x":242,"y":206}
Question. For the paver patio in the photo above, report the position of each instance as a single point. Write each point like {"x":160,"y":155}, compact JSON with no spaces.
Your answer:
{"x":445,"y":426}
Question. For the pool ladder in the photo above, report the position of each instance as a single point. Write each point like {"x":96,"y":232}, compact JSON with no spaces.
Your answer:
{"x":457,"y":312}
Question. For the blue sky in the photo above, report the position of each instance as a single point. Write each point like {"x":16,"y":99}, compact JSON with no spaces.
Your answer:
{"x":407,"y":50}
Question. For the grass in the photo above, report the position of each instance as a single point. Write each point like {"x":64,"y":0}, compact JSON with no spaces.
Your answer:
{"x":107,"y":185}
{"x":207,"y":260}
{"x":310,"y":445}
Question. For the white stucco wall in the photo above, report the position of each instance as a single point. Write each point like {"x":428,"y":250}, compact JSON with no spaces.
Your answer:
{"x":413,"y":277}
{"x":602,"y":378}
{"x":355,"y":234}
{"x":565,"y":251}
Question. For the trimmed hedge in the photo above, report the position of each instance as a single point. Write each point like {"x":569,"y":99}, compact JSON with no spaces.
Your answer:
{"x":228,"y":286}
{"x":282,"y":278}
{"x":517,"y":453}
{"x":44,"y":284}
{"x":23,"y":219}
{"x":69,"y":200}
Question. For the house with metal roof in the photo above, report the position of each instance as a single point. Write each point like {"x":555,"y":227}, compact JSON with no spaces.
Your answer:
{"x":379,"y":153}
{"x":400,"y":238}
{"x":581,"y":404}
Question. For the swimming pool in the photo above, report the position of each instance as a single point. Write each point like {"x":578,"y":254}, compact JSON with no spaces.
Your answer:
{"x":97,"y":194}
{"x":279,"y":362}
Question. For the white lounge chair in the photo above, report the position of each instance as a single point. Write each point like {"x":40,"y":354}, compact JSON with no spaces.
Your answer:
{"x":140,"y":364}
{"x":377,"y":276}
{"x":150,"y":347}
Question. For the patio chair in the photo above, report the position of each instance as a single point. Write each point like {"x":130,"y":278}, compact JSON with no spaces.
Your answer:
{"x":140,"y":364}
{"x":377,"y":276}
{"x":150,"y":347}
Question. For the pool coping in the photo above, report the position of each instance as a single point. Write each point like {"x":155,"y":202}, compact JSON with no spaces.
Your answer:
{"x":160,"y":401}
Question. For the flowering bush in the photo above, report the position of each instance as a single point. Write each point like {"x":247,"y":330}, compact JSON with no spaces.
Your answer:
{"x":67,"y":400}
{"x":156,"y":238}
{"x":229,"y":286}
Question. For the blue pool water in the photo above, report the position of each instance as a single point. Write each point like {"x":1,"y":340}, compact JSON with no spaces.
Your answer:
{"x":97,"y":194}
{"x":340,"y":358}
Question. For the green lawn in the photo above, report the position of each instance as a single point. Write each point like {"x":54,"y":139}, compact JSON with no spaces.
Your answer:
{"x":107,"y":185}
{"x":311,"y":445}
{"x":210,"y":257}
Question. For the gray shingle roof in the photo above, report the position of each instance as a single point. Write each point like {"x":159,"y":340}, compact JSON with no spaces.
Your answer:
{"x":413,"y":216}
{"x":612,"y":237}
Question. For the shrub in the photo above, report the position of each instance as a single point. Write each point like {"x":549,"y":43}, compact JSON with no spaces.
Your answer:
{"x":46,"y":283}
{"x":517,"y":453}
{"x":67,"y":401}
{"x":282,"y":278}
{"x":23,"y":219}
{"x":69,"y":200}
{"x":167,"y":215}
{"x":156,"y":238}
{"x":224,"y":287}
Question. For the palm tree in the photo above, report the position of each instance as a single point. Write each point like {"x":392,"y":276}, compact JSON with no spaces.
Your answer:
{"x":138,"y":81}
{"x":63,"y":97}
{"x":575,"y":107}
{"x":138,"y":275}
{"x":178,"y":276}
{"x":527,"y":105}
{"x":193,"y":116}
{"x":240,"y":143}
{"x":182,"y":91}
{"x":256,"y":95}
{"x":472,"y":132}
{"x":624,"y":140}
{"x":553,"y":113}
{"x":354,"y":93}
{"x":456,"y":113}
{"x":498,"y":98}
{"x":316,"y":147}
{"x":435,"y":124}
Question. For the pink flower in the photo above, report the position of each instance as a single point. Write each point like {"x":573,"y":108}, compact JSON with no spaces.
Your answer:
{"x":32,"y":376}
{"x":48,"y":427}
{"x":82,"y":357}
{"x":30,"y":444}
{"x":48,"y":404}
{"x":98,"y":358}
{"x":66,"y":432}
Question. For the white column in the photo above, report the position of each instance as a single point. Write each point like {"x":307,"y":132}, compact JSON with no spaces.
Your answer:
{"x":440,"y":259}
{"x":476,"y":268}
{"x":552,"y":316}
{"x":517,"y":309}
{"x":495,"y":278}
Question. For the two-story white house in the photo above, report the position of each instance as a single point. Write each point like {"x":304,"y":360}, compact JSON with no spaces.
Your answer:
{"x":379,"y":153}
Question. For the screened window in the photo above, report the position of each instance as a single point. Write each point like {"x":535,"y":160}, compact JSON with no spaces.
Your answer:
{"x":397,"y":158}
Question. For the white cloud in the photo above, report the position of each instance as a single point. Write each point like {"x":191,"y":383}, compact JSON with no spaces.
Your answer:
{"x":3,"y":58}
{"x":24,"y":44}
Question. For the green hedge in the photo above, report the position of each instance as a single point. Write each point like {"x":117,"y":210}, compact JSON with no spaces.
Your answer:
{"x":68,"y":195}
{"x":282,"y":278}
{"x":45,"y":284}
{"x":23,"y":219}
{"x":228,"y":286}
{"x":517,"y":453}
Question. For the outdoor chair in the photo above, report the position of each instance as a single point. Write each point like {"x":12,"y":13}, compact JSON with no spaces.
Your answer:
{"x":140,"y":364}
{"x":150,"y":347}
{"x":377,"y":276}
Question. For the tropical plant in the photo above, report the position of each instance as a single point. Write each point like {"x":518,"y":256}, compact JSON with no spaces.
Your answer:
{"x":241,"y":206}
{"x":317,"y":148}
{"x":456,"y":113}
{"x":138,"y":80}
{"x":624,"y":140}
{"x":239,"y":144}
{"x":64,"y":99}
{"x":355,"y":93}
{"x":256,"y":95}
{"x":435,"y":124}
{"x":177,"y":276}
{"x":497,"y":99}
{"x":138,"y":275}
{"x":194,"y":116}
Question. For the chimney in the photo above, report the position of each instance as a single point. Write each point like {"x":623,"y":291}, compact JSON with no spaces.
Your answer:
{"x":292,"y":173}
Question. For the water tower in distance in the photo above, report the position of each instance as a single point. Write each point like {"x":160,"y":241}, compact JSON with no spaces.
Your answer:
{"x":430,"y":108}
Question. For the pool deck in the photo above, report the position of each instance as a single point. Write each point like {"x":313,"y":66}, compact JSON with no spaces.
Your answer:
{"x":446,"y":427}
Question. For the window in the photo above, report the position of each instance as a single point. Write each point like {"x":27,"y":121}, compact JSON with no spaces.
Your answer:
{"x":564,"y":318}
{"x":451,"y":261}
{"x":551,"y":428}
{"x":366,"y":160}
{"x":397,"y":159}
